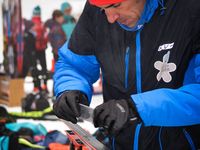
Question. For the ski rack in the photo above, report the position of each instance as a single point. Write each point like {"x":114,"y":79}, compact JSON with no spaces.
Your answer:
{"x":81,"y":139}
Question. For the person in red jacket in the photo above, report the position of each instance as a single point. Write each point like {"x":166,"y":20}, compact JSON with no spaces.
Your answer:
{"x":41,"y":42}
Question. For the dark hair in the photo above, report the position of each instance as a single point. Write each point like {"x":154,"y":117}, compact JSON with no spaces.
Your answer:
{"x":56,"y":13}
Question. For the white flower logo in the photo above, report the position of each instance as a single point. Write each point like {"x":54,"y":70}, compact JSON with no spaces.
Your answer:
{"x":165,"y":68}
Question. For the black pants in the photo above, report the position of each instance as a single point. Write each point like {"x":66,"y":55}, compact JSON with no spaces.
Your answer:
{"x":41,"y":56}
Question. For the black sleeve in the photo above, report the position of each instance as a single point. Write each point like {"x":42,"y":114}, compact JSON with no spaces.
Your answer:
{"x":196,"y":43}
{"x":82,"y":40}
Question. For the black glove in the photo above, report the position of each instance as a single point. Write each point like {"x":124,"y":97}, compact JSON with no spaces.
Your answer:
{"x":114,"y":115}
{"x":67,"y":105}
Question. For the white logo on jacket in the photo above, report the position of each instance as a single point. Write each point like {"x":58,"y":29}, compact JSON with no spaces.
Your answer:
{"x":165,"y":68}
{"x":166,"y":46}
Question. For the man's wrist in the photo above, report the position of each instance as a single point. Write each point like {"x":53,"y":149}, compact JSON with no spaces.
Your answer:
{"x":133,"y":110}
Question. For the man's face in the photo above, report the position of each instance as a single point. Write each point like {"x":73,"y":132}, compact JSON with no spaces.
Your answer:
{"x":127,"y":12}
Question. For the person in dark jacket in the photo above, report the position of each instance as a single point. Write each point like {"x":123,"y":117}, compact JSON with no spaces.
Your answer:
{"x":29,"y":48}
{"x":149,"y":54}
{"x":29,"y":54}
{"x":56,"y":34}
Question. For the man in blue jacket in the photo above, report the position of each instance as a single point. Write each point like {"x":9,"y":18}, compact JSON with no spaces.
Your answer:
{"x":149,"y":54}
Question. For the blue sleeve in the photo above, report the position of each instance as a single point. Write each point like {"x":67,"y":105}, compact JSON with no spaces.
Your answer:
{"x":173,"y":107}
{"x":75,"y":72}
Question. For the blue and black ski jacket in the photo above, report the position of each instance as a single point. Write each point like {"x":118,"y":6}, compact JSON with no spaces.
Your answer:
{"x":156,"y":63}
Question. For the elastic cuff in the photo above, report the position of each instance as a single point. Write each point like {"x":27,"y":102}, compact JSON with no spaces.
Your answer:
{"x":133,"y":109}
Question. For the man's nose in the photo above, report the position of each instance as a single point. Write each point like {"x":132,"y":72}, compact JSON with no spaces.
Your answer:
{"x":111,"y":16}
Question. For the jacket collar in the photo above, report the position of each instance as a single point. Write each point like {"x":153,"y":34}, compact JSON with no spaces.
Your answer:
{"x":149,"y":9}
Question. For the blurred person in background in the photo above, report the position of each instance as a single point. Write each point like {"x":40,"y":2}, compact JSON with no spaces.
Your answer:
{"x":29,"y":54}
{"x":41,"y":44}
{"x":29,"y":60}
{"x":69,"y":20}
{"x":56,"y":35}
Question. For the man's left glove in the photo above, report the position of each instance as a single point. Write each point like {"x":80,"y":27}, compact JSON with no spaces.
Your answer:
{"x":114,"y":115}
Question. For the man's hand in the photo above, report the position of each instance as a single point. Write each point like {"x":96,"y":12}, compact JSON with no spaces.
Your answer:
{"x":114,"y":114}
{"x":67,"y":105}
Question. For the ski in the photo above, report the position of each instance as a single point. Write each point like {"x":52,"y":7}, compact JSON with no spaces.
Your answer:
{"x":81,"y":139}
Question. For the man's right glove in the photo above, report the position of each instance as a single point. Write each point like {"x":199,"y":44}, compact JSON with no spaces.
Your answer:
{"x":67,"y":105}
{"x":114,"y":115}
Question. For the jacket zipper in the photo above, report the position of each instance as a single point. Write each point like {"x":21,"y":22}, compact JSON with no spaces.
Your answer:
{"x":138,"y":63}
{"x":138,"y":84}
{"x":127,"y":66}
